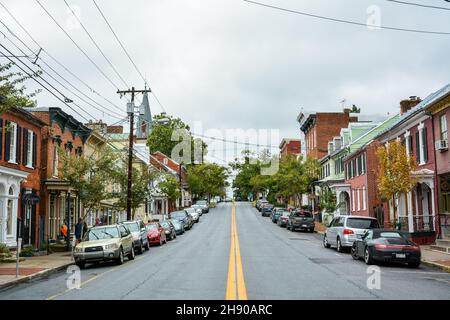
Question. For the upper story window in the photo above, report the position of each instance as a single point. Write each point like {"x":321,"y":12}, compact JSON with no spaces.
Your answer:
{"x":12,"y":143}
{"x":443,"y":127}
{"x":29,"y":148}
{"x":55,"y":160}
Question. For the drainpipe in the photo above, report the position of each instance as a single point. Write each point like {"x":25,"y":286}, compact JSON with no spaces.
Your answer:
{"x":436,"y":185}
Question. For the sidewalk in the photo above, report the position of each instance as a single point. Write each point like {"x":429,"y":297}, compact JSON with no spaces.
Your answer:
{"x":435,"y":259}
{"x":33,"y":267}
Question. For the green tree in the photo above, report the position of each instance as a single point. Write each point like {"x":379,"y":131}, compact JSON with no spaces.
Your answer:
{"x":89,"y":177}
{"x":170,"y":187}
{"x":395,"y":169}
{"x":328,"y":201}
{"x":12,"y":90}
{"x":160,"y":139}
{"x":207,"y":179}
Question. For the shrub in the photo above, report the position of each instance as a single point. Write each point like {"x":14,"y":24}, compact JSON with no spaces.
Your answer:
{"x":4,"y":249}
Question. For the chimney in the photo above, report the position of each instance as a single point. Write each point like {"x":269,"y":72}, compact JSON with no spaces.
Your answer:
{"x":114,"y":129}
{"x":408,"y":104}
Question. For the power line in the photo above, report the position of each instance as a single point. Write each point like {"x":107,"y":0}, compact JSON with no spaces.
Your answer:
{"x":54,"y":59}
{"x":96,"y":45}
{"x":419,"y":5}
{"x":126,"y":52}
{"x":77,"y":45}
{"x":235,"y":142}
{"x":342,"y":20}
{"x":62,"y":85}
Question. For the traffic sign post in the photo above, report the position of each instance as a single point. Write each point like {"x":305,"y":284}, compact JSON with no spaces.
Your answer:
{"x":19,"y":246}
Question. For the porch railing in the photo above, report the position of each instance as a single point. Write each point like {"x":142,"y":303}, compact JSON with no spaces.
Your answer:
{"x":420,"y":223}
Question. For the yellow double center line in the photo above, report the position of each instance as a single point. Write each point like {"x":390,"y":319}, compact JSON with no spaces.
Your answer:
{"x":236,"y":284}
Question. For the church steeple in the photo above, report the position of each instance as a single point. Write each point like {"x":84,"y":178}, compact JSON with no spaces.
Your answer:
{"x":144,"y":124}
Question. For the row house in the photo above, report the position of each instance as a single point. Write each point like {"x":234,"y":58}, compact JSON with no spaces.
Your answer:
{"x":20,"y":166}
{"x":290,"y":147}
{"x":59,"y":203}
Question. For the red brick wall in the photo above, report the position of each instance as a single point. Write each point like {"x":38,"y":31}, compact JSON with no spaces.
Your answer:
{"x":292,"y":147}
{"x":442,"y":158}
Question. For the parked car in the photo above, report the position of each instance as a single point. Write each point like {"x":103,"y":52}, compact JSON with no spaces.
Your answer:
{"x":301,"y":219}
{"x":283,"y":219}
{"x":276,"y":213}
{"x":266,"y":210}
{"x":385,"y":245}
{"x":203,"y":204}
{"x":169,"y":229}
{"x":156,"y":233}
{"x":194,"y":214}
{"x":344,"y":230}
{"x":184,"y":218}
{"x":104,"y":243}
{"x":259,"y":203}
{"x":179,"y":227}
{"x":198,"y":207}
{"x":137,"y":229}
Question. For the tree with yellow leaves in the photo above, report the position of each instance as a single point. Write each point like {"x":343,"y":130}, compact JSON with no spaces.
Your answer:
{"x":395,"y":168}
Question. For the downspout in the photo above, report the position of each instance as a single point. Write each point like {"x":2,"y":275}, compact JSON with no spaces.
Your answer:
{"x":436,"y":194}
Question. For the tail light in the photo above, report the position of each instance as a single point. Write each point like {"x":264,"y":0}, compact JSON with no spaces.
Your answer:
{"x":348,"y":231}
{"x":410,"y":248}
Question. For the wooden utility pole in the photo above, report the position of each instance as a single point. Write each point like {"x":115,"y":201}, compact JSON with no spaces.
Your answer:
{"x":130,"y":111}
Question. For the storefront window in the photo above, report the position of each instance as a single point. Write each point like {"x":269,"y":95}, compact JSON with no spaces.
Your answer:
{"x":9,"y":229}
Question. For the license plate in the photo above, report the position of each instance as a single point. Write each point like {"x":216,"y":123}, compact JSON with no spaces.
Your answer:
{"x":400,"y":255}
{"x":304,"y":226}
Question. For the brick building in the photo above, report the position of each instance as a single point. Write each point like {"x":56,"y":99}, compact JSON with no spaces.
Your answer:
{"x":290,"y":147}
{"x":320,"y":128}
{"x":20,"y":165}
{"x":61,"y":133}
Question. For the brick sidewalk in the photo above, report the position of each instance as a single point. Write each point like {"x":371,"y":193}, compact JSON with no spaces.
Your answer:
{"x":33,"y":267}
{"x":436,"y":259}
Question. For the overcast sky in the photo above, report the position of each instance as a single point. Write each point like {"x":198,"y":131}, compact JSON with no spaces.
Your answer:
{"x":231,"y":64}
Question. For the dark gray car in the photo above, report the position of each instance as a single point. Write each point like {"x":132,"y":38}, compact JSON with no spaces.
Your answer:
{"x":140,"y":240}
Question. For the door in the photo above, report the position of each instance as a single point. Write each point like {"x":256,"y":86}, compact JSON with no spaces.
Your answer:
{"x":331,"y":231}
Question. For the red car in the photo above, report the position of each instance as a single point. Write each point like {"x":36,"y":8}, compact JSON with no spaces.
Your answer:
{"x":155,"y":233}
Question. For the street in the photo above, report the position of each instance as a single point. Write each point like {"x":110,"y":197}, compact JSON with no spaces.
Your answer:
{"x":276,"y":264}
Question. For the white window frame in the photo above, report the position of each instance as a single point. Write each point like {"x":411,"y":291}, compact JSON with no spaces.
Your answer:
{"x":358,"y":196}
{"x":13,"y":144}
{"x":30,"y":150}
{"x":364,"y":198}
{"x":353,"y":200}
{"x":442,"y":126}
{"x":55,"y":161}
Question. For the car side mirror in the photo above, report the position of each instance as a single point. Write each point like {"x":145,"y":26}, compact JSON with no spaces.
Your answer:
{"x":123,"y":234}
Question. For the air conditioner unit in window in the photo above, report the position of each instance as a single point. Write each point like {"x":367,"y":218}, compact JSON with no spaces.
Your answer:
{"x":441,"y":145}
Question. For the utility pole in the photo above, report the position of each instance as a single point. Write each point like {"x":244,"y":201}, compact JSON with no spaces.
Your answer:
{"x":130,"y":111}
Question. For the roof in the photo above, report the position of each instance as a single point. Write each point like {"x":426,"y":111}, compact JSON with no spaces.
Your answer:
{"x":430,"y":99}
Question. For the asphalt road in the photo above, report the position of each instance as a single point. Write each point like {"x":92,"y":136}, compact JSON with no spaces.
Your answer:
{"x":275,"y":264}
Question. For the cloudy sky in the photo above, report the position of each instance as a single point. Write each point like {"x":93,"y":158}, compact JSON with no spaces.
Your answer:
{"x":231,"y":64}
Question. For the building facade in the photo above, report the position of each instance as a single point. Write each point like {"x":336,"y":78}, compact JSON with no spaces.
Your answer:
{"x":290,"y":147}
{"x":20,"y":165}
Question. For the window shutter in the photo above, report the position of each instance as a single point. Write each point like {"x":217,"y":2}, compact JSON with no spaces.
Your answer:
{"x":1,"y":138}
{"x":34,"y":150}
{"x":19,"y":144}
{"x":7,"y":140}
{"x":425,"y":145}
{"x":417,"y":147}
{"x":25,"y":147}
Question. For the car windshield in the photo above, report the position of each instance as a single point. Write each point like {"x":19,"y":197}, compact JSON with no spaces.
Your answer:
{"x":177,"y":214}
{"x":152,"y":226}
{"x":101,"y":233}
{"x":165,"y":224}
{"x":303,"y":214}
{"x":390,"y":235}
{"x":133,"y":227}
{"x":176,"y":223}
{"x":190,"y":210}
{"x":361,"y":223}
{"x":285,"y":213}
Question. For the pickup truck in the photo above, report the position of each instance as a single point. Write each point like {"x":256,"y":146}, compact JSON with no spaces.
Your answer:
{"x":301,"y":220}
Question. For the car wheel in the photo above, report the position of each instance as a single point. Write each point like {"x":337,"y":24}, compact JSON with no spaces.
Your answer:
{"x":160,"y":241}
{"x":367,"y":258}
{"x":81,"y":264}
{"x":120,"y":259}
{"x":141,"y":248}
{"x":147,"y":245}
{"x":339,"y":245}
{"x":311,"y":230}
{"x":354,"y":253}
{"x":131,"y":255}
{"x":414,"y":264}
{"x":325,"y":242}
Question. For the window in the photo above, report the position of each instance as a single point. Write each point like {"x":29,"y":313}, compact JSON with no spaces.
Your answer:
{"x":9,"y":222}
{"x":358,"y":196}
{"x":417,"y":147}
{"x":30,"y":149}
{"x":424,"y":145}
{"x":410,"y":144}
{"x":353,"y":200}
{"x":55,"y":160}
{"x":13,"y":142}
{"x":364,"y":198}
{"x":363,"y":163}
{"x":443,"y":127}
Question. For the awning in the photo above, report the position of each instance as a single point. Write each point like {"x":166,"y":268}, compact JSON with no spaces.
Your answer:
{"x":30,"y":199}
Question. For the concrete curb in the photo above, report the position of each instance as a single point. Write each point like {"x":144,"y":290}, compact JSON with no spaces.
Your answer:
{"x":436,"y":265}
{"x":34,"y":276}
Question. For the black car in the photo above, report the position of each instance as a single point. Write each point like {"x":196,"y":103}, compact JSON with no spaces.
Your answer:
{"x":266,"y":210}
{"x":169,"y":229}
{"x":386,"y":245}
{"x":301,"y":219}
{"x":184,"y":217}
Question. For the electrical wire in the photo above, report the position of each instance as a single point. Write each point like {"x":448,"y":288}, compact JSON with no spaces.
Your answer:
{"x":419,"y":5}
{"x":77,"y":45}
{"x":235,"y":142}
{"x":343,"y":20}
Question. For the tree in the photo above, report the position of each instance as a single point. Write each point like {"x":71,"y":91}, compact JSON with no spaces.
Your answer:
{"x":170,"y":187}
{"x":163,"y":128}
{"x":328,"y":201}
{"x":89,"y":177}
{"x":207,"y":179}
{"x":395,"y":168}
{"x":12,"y":90}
